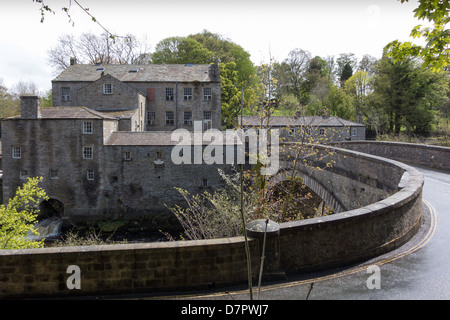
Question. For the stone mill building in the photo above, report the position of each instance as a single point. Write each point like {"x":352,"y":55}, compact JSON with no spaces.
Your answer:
{"x":104,"y":149}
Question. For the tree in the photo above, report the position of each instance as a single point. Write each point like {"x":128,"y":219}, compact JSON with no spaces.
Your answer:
{"x":18,"y":216}
{"x":409,"y":93}
{"x":225,"y":51}
{"x":346,"y":63}
{"x":339,"y":104}
{"x":358,"y":86}
{"x":181,"y":50}
{"x":435,"y":53}
{"x":347,"y":72}
{"x":8,"y":106}
{"x":291,"y":74}
{"x":44,"y":8}
{"x":236,"y":69}
{"x":91,"y":49}
{"x":367,"y":64}
{"x":230,"y":93}
{"x":22,"y":88}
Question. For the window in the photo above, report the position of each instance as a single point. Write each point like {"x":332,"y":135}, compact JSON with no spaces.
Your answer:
{"x":207,"y":96}
{"x":54,"y":174}
{"x":322,"y":131}
{"x":169,"y":94}
{"x":87,"y":127}
{"x":159,"y":155}
{"x":354,"y":131}
{"x":207,"y":122}
{"x":65,"y":94}
{"x":23,"y":174}
{"x":88,"y":152}
{"x":308,"y":131}
{"x":107,"y":88}
{"x":16,"y":152}
{"x":291,"y":132}
{"x":151,"y":118}
{"x":205,"y":183}
{"x":90,"y":175}
{"x":187,"y":94}
{"x":170,"y":118}
{"x":127,"y":155}
{"x":207,"y":115}
{"x":188,"y":118}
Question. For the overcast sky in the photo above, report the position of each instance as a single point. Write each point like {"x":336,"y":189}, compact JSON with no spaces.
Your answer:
{"x":322,"y":27}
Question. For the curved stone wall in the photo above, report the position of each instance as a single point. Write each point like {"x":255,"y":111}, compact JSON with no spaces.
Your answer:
{"x":365,"y":231}
{"x":335,"y":240}
{"x":327,"y":196}
{"x":435,"y":157}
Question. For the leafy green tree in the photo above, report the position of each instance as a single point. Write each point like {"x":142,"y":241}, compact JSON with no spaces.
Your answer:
{"x":435,"y":52}
{"x":291,"y":75}
{"x":237,"y":72}
{"x":346,"y":74}
{"x":18,"y":216}
{"x":181,"y":50}
{"x":339,"y":103}
{"x":346,"y":63}
{"x":358,"y":86}
{"x":8,"y":105}
{"x":231,"y":95}
{"x":225,"y":51}
{"x":46,"y":99}
{"x":409,"y":93}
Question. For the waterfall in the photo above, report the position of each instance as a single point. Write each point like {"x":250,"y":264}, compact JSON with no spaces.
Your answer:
{"x":47,"y":228}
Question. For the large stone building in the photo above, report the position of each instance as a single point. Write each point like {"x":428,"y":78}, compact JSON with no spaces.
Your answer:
{"x":92,"y":169}
{"x":104,"y":149}
{"x":148,"y":97}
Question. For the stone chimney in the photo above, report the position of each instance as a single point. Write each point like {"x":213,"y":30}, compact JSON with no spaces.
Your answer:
{"x":30,"y":107}
{"x":73,"y":61}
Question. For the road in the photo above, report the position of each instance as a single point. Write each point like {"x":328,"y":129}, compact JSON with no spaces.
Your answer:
{"x":419,"y":270}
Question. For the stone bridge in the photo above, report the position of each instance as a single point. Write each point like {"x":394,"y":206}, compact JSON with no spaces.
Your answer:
{"x":382,"y":203}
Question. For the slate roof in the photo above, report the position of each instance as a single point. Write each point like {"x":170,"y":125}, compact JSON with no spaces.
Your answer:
{"x":314,"y":121}
{"x":142,"y":73}
{"x":68,"y":113}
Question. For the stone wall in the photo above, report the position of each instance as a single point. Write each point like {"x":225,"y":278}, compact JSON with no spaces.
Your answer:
{"x":376,"y":221}
{"x":123,"y":269}
{"x":308,"y":245}
{"x":44,"y":146}
{"x":156,"y":102}
{"x":434,"y":157}
{"x":57,"y":98}
{"x":119,"y":187}
{"x":121,"y":97}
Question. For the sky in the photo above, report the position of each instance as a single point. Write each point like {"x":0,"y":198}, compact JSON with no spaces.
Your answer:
{"x":264,"y":28}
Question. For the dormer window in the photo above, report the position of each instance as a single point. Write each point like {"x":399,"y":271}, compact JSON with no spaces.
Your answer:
{"x":107,"y":88}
